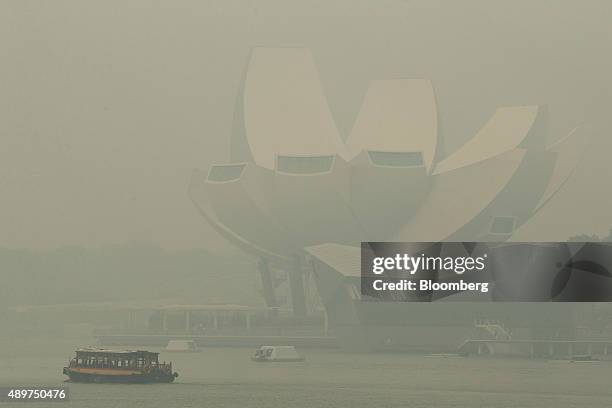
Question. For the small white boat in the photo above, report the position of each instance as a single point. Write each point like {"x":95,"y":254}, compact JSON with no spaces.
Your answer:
{"x":185,"y":346}
{"x":277,"y":354}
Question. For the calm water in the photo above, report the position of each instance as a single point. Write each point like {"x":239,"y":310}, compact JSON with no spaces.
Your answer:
{"x":227,"y":378}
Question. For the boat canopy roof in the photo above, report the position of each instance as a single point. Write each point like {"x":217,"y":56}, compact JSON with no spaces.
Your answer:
{"x":86,"y":352}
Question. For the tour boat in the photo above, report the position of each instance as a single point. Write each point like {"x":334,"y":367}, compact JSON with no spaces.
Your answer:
{"x":117,"y":366}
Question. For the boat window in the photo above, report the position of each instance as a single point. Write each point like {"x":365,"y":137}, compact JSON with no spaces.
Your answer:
{"x":225,"y":172}
{"x":396,"y":159}
{"x":503,"y":225}
{"x":304,"y":164}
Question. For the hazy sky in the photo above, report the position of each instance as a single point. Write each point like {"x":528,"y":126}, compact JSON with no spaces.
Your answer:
{"x":107,"y":106}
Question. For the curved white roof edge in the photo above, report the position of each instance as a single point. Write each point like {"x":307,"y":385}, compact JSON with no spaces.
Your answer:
{"x":397,"y":115}
{"x":458,"y":196}
{"x":285,"y":108}
{"x":196,"y":196}
{"x":569,"y":152}
{"x":506,"y":130}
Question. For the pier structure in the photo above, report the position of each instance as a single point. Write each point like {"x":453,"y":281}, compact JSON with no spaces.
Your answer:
{"x":538,"y":348}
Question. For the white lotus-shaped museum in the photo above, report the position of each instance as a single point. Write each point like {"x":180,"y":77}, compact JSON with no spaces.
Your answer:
{"x":292,"y":182}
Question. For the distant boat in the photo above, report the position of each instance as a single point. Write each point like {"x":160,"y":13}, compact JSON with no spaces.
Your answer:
{"x":586,"y":358}
{"x":185,"y":346}
{"x":277,"y":354}
{"x":116,"y":366}
{"x":442,"y":355}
